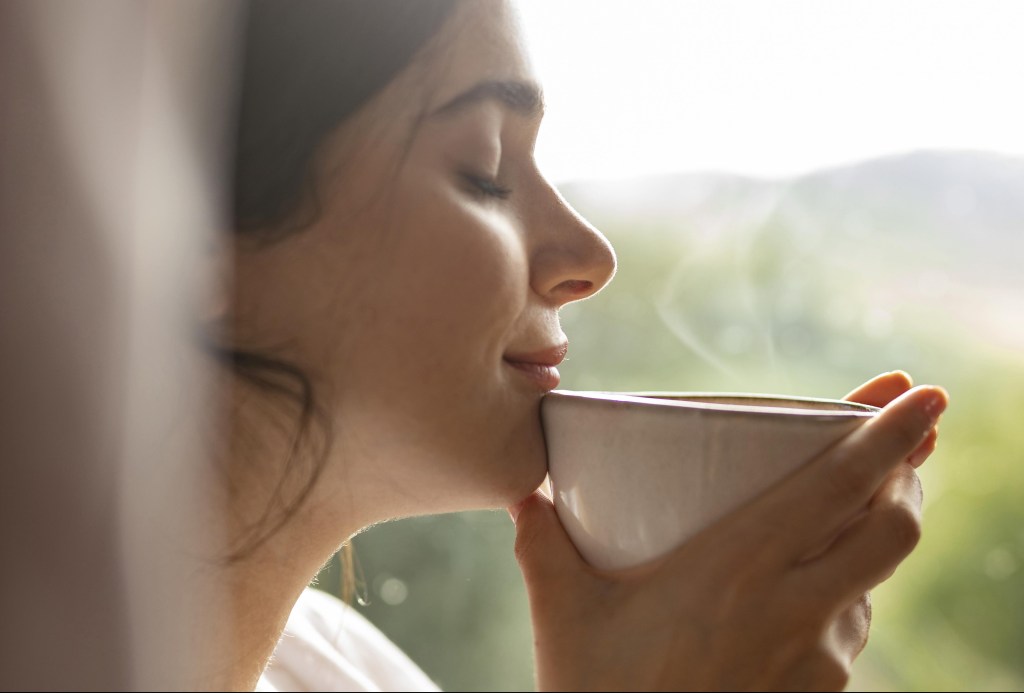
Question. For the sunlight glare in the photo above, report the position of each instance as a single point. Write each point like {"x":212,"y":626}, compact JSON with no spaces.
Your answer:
{"x":638,"y":87}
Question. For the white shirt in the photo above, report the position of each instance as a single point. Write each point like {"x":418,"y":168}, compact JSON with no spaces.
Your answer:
{"x":329,"y":646}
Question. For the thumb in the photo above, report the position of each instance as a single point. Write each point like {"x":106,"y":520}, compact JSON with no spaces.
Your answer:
{"x":543,"y":549}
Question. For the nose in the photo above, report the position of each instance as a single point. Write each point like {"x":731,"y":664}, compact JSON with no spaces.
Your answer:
{"x":570,"y":259}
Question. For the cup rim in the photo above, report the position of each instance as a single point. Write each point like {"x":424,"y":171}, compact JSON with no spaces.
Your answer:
{"x":837,"y":408}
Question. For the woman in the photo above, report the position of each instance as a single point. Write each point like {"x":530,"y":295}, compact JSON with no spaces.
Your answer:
{"x":398,"y":267}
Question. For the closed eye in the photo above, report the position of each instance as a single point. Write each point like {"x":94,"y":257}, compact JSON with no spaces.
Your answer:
{"x":486,"y":187}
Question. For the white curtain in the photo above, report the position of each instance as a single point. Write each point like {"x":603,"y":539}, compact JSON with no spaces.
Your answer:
{"x":114,"y":136}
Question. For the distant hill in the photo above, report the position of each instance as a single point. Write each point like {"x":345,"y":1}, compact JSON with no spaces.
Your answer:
{"x":966,"y":207}
{"x":930,"y":238}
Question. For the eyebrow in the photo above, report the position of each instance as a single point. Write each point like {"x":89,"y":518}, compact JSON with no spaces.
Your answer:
{"x":524,"y":98}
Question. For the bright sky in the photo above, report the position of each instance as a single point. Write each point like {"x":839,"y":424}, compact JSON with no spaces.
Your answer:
{"x":771,"y":87}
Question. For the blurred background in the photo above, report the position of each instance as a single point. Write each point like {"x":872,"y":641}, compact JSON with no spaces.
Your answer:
{"x":802,"y":195}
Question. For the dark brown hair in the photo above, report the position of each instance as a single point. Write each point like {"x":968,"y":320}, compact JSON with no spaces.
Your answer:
{"x":307,"y":66}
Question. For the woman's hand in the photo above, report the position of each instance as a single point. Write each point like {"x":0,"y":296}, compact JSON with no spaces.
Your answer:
{"x":849,"y":631}
{"x":741,"y":606}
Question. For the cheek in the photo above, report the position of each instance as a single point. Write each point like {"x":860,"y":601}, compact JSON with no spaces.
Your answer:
{"x":449,"y":290}
{"x":431,"y":286}
{"x":454,"y":267}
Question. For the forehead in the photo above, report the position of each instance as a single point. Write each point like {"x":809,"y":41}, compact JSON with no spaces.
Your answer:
{"x":482,"y":41}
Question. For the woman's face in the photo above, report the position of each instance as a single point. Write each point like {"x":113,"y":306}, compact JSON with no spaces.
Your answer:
{"x":423,"y":301}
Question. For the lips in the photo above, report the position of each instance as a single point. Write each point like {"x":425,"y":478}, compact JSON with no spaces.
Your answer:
{"x":539,"y":367}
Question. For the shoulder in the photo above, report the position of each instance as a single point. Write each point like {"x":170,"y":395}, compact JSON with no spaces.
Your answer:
{"x":328,"y":645}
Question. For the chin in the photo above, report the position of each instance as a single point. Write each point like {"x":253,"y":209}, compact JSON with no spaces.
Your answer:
{"x":507,"y":473}
{"x":529,"y":462}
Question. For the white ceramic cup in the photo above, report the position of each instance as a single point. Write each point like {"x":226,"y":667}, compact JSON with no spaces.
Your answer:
{"x":633,"y":475}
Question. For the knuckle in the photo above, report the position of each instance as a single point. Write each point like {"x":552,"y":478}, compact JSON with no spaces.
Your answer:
{"x":904,"y":528}
{"x":851,"y":630}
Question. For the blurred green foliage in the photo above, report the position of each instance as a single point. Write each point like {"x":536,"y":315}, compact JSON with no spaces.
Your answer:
{"x":777,"y":288}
